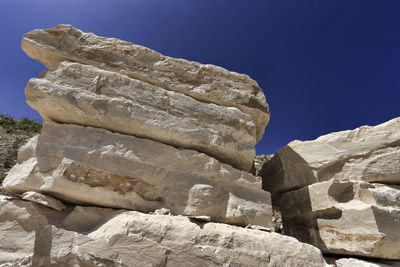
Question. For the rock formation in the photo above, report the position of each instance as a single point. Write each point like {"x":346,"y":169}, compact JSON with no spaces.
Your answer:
{"x":341,"y":192}
{"x":126,"y":127}
{"x":147,"y":160}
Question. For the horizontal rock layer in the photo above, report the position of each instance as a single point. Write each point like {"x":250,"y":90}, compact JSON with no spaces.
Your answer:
{"x":345,"y":217}
{"x":87,"y":165}
{"x":87,"y":236}
{"x":88,"y":96}
{"x":367,"y":154}
{"x":207,"y":83}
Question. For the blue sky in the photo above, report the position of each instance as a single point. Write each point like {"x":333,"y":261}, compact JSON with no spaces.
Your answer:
{"x":324,"y":65}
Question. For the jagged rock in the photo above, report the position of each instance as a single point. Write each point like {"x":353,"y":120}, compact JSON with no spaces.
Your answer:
{"x":345,"y":217}
{"x":85,"y":95}
{"x":43,"y":200}
{"x":85,"y":165}
{"x":369,"y":154}
{"x":207,"y":83}
{"x":88,"y":236}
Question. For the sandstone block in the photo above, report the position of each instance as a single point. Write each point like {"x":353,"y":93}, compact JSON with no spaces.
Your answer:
{"x":367,"y":153}
{"x":207,"y":83}
{"x":345,"y":217}
{"x":87,"y":165}
{"x":89,"y":236}
{"x":88,"y":96}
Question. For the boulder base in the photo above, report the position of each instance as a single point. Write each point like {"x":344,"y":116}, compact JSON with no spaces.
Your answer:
{"x":32,"y":235}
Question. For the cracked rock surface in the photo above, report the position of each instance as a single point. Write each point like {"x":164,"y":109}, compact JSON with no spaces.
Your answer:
{"x":34,"y":235}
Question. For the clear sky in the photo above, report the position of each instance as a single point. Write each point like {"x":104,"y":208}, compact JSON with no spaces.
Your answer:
{"x":324,"y":65}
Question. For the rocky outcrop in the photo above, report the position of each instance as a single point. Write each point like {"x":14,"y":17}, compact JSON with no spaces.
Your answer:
{"x":33,"y":235}
{"x":87,"y":165}
{"x":85,"y":95}
{"x":341,"y":192}
{"x":207,"y":83}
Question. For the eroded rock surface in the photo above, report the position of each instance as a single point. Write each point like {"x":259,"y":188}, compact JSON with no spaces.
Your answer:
{"x":345,"y":217}
{"x":86,"y":236}
{"x":207,"y":83}
{"x":86,"y":165}
{"x":368,"y":153}
{"x":85,"y":95}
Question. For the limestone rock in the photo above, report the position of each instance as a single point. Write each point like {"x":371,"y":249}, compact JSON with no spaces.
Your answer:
{"x":369,"y":154}
{"x":345,"y":217}
{"x":43,"y":200}
{"x":351,"y":262}
{"x":87,"y":236}
{"x":87,"y":165}
{"x":88,"y":96}
{"x":207,"y":83}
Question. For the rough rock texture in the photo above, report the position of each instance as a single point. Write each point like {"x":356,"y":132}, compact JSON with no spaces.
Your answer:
{"x":43,"y":200}
{"x":207,"y":83}
{"x":31,"y":235}
{"x":350,"y":262}
{"x":85,"y":95}
{"x":368,"y":154}
{"x":86,"y":165}
{"x":345,"y":217}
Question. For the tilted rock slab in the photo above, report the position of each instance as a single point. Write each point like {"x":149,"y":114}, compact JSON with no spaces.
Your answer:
{"x":207,"y":83}
{"x":85,"y":165}
{"x":87,"y":236}
{"x":345,"y":218}
{"x":85,"y":95}
{"x":369,"y":154}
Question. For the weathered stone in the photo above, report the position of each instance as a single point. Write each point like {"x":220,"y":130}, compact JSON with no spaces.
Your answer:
{"x":351,"y":262}
{"x":345,"y":217}
{"x":43,"y":200}
{"x":88,"y":96}
{"x":87,"y":165}
{"x":207,"y":83}
{"x":369,"y":154}
{"x":87,"y":236}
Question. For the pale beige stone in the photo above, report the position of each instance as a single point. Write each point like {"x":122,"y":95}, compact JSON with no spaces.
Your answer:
{"x":87,"y":165}
{"x":351,"y":262}
{"x":43,"y":200}
{"x":207,"y":83}
{"x":367,"y":153}
{"x":88,"y":236}
{"x":345,"y":217}
{"x":27,"y":151}
{"x":85,"y":95}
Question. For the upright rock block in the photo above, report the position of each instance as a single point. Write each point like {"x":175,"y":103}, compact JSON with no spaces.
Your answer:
{"x":85,"y":95}
{"x":86,"y":165}
{"x":207,"y":83}
{"x":345,"y":218}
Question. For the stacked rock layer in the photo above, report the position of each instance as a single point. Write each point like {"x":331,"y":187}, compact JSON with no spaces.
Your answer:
{"x":341,"y":192}
{"x":126,"y":127}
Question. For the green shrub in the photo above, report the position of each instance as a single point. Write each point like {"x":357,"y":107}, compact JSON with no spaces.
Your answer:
{"x":11,"y":125}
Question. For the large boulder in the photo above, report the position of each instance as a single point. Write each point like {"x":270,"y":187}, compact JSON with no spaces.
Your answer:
{"x":367,"y":153}
{"x":207,"y":83}
{"x":345,"y":217}
{"x":32,"y":235}
{"x":86,"y":165}
{"x":85,"y":95}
